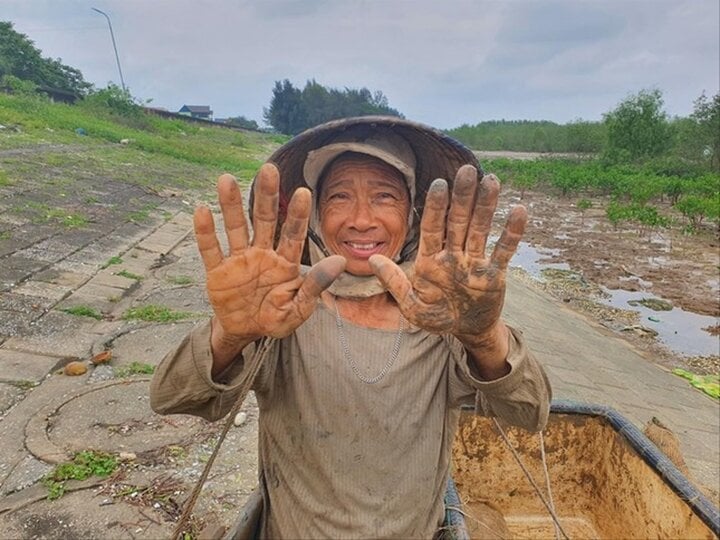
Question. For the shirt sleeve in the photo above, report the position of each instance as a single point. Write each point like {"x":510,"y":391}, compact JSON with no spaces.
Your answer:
{"x":183,"y":383}
{"x":522,"y":397}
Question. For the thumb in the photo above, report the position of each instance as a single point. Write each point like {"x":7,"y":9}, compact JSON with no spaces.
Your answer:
{"x":392,"y":277}
{"x":319,"y":278}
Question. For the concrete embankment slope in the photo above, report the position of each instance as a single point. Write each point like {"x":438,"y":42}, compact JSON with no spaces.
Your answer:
{"x":48,"y":417}
{"x":587,"y":363}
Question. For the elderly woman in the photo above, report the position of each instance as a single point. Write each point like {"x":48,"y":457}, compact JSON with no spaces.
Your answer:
{"x":394,"y":326}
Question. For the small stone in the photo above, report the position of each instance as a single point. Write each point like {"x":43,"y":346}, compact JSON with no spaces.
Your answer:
{"x":127,"y":456}
{"x":75,"y":368}
{"x":240,"y":419}
{"x":103,"y":372}
{"x":642,"y":331}
{"x":656,"y":304}
{"x":102,"y":358}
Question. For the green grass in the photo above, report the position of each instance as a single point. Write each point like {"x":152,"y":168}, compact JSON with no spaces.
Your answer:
{"x":4,"y":179}
{"x":40,"y":212}
{"x":5,"y":235}
{"x":210,"y":146}
{"x":138,"y":216}
{"x":84,"y":465}
{"x":155,"y":313}
{"x":24,"y":384}
{"x":129,"y":275}
{"x":83,"y":311}
{"x":71,"y":221}
{"x":134,"y":368}
{"x":116,"y":259}
{"x":180,"y":280}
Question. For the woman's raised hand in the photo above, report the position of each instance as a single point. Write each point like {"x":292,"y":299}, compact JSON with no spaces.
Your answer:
{"x":457,"y":289}
{"x":257,"y":289}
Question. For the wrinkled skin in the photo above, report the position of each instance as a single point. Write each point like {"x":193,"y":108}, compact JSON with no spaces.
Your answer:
{"x":456,"y":288}
{"x":257,"y":290}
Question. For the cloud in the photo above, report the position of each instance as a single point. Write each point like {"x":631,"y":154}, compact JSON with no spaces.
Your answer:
{"x":443,"y":63}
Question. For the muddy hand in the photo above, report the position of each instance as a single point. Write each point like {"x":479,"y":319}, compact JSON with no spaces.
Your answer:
{"x":456,"y":289}
{"x":257,"y":290}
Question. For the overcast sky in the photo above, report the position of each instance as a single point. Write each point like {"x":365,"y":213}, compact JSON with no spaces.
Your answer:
{"x":443,"y":63}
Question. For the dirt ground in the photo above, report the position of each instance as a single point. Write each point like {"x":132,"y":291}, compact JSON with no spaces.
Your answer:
{"x":680,"y":268}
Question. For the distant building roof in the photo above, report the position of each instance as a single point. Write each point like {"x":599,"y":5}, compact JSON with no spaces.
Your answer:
{"x":200,"y":109}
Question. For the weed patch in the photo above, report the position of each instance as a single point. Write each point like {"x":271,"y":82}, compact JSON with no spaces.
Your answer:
{"x":180,"y":280}
{"x":112,"y":260}
{"x":4,"y":179}
{"x":23,"y":384}
{"x":84,"y":465}
{"x":154,"y":313}
{"x":129,"y":275}
{"x":134,"y":368}
{"x":83,"y":311}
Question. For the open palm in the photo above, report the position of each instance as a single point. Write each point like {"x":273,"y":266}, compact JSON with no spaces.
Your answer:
{"x":456,"y":289}
{"x":258,"y":290}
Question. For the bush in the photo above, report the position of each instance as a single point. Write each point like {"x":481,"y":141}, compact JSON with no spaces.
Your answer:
{"x":637,"y":128}
{"x":697,"y":209}
{"x":119,"y":103}
{"x":17,"y":86}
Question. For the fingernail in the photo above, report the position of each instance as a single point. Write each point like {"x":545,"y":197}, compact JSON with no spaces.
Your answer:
{"x":438,"y":185}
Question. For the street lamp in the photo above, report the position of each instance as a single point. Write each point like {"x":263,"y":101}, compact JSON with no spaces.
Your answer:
{"x":117,"y":58}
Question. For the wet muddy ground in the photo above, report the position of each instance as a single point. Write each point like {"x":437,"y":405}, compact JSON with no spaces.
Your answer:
{"x":659,"y":289}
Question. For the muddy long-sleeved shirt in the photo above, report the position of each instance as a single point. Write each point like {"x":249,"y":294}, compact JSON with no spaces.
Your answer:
{"x":341,"y":458}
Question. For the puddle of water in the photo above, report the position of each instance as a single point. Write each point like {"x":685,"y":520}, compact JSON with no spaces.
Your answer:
{"x":680,"y":330}
{"x":527,"y":257}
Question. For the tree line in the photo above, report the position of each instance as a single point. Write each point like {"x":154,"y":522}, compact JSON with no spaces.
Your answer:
{"x":637,"y":130}
{"x":293,"y":110}
{"x":21,"y":60}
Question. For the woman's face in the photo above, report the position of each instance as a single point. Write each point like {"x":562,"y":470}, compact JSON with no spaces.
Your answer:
{"x":363,"y":207}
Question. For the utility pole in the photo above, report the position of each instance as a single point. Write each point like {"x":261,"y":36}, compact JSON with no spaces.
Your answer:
{"x":112,"y":36}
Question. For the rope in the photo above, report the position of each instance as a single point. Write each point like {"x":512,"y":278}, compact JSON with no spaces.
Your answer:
{"x":253,"y":370}
{"x":547,"y":481}
{"x":550,"y":510}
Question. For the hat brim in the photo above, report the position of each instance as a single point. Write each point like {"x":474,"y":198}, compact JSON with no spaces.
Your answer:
{"x":437,"y":155}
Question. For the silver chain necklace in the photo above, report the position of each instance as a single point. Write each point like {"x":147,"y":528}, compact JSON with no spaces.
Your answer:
{"x":349,"y":359}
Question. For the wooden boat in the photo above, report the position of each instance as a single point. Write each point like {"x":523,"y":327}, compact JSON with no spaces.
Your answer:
{"x":607,"y":480}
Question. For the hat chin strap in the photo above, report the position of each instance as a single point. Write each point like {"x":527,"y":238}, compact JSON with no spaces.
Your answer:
{"x":348,"y":285}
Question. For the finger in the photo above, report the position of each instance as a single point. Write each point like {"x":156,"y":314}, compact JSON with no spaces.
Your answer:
{"x":233,"y":213}
{"x":265,"y":207}
{"x":481,"y":222}
{"x":206,"y":239}
{"x":294,"y":230}
{"x":510,"y":237}
{"x":461,"y":207}
{"x":432,"y":225}
{"x":319,"y":278}
{"x":393,"y":278}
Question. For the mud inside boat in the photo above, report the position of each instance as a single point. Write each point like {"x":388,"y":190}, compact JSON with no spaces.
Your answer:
{"x":604,"y":483}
